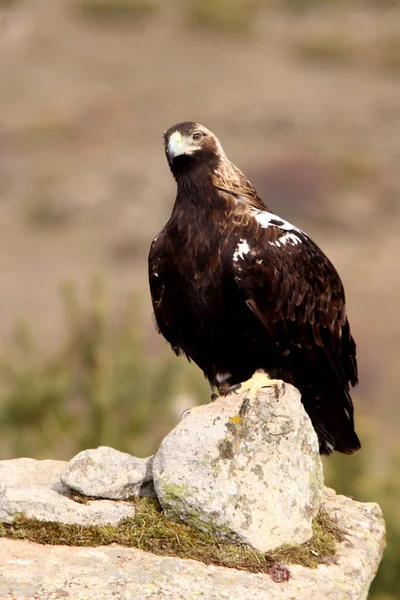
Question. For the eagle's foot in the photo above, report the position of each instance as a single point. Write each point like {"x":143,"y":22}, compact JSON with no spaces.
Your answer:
{"x":252,"y":387}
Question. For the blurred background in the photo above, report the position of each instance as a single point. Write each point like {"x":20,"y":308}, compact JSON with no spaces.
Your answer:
{"x":305,"y":97}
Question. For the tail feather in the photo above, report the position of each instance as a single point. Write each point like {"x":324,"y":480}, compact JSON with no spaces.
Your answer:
{"x":331,"y":413}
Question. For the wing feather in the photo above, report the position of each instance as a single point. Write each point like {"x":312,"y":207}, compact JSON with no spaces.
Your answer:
{"x":160,"y":270}
{"x":296,"y":293}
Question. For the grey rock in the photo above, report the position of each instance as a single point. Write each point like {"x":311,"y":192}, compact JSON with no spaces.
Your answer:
{"x":108,"y":473}
{"x":106,"y":573}
{"x":46,"y":504}
{"x":28,"y":471}
{"x":33,"y":488}
{"x":257,"y":480}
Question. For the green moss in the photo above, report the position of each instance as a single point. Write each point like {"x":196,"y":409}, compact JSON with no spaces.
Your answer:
{"x":149,"y":530}
{"x":194,"y":521}
{"x":80,"y":498}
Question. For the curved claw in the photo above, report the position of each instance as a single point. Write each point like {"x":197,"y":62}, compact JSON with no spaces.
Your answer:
{"x":243,"y":407}
{"x":280,"y":390}
{"x":214,"y":397}
{"x":233,"y":388}
{"x":185,"y":413}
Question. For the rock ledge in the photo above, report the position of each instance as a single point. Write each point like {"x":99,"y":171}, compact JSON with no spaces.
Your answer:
{"x":256,"y":480}
{"x":30,"y":571}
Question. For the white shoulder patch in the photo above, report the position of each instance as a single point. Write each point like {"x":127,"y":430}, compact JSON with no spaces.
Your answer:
{"x":290,"y":237}
{"x":242,"y":248}
{"x":267,"y":219}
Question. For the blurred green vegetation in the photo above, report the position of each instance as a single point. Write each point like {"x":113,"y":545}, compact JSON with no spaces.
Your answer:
{"x":234,"y":16}
{"x":354,"y":167}
{"x":115,"y":9}
{"x":389,"y":53}
{"x":238,"y":16}
{"x":101,"y":387}
{"x":325,"y":49}
{"x":364,"y":478}
{"x":8,"y":3}
{"x":307,"y":5}
{"x":47,"y":208}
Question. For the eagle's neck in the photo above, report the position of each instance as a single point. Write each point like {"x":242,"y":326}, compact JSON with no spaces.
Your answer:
{"x":197,"y":189}
{"x":197,"y":222}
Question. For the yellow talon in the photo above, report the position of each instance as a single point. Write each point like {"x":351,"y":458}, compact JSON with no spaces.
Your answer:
{"x":252,"y":387}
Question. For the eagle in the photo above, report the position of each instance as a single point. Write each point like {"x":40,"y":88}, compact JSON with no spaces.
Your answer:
{"x":248,"y":296}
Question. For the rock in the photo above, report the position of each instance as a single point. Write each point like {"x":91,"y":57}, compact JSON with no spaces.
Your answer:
{"x":28,"y":471}
{"x":33,"y":488}
{"x":257,"y":480}
{"x":45,"y":504}
{"x":108,"y":473}
{"x":105,"y":573}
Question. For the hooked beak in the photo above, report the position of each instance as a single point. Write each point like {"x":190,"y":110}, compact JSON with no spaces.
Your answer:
{"x":176,"y":146}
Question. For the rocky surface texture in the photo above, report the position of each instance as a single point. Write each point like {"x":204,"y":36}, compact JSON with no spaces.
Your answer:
{"x":33,"y":488}
{"x":108,"y":573}
{"x":108,"y":473}
{"x":257,"y":480}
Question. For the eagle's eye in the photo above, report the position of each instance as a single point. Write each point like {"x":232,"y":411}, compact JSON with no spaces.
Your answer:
{"x":197,"y":136}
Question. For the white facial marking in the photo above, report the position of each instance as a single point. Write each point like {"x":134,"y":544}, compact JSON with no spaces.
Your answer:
{"x":242,"y":248}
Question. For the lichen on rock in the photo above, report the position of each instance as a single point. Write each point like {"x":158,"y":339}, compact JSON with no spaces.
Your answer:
{"x":257,"y":480}
{"x":108,"y":473}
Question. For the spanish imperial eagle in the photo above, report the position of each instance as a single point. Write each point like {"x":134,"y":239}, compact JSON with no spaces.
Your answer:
{"x":247,"y":296}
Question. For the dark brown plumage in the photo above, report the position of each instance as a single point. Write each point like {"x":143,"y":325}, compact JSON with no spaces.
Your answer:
{"x":238,"y":289}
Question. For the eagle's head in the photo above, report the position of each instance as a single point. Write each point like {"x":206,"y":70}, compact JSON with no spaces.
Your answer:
{"x":189,"y":144}
{"x":195,"y":157}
